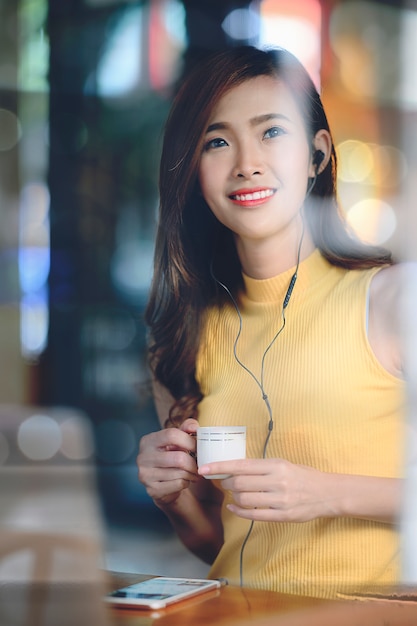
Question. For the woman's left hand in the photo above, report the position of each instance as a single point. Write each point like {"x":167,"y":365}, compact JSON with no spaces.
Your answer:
{"x":276,"y":490}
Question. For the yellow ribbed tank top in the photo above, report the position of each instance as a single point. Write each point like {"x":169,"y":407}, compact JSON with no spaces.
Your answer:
{"x":334,"y":408}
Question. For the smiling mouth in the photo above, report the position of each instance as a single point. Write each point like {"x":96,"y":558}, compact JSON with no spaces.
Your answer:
{"x":252,"y":196}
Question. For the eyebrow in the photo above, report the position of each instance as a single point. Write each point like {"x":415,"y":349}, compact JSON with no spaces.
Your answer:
{"x":254,"y":121}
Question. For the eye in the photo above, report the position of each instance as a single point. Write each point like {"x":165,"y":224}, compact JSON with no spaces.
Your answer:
{"x":274,"y":131}
{"x":217,"y":142}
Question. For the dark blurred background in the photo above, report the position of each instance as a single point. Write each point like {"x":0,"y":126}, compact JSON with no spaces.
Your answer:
{"x":85,"y":86}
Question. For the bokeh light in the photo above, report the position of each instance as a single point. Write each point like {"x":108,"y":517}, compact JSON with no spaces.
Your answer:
{"x":408,"y":57}
{"x":34,"y":265}
{"x":367,"y":49}
{"x":39,"y":437}
{"x":295,"y":26}
{"x":120,"y":66}
{"x":356,"y":161}
{"x":34,"y":321}
{"x":390,"y":166}
{"x":356,"y":68}
{"x":34,"y":206}
{"x":132,"y":267}
{"x":10,"y":130}
{"x":371,"y":163}
{"x":34,"y":49}
{"x":373,"y":220}
{"x":77,"y":441}
{"x":166,"y":41}
{"x":242,"y":24}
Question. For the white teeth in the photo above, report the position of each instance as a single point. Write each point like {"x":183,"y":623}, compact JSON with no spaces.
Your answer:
{"x":256,"y":195}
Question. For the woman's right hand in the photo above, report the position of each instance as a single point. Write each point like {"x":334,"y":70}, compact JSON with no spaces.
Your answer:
{"x":166,"y":462}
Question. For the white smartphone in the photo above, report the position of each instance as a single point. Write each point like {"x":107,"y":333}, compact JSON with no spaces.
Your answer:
{"x":159,"y":592}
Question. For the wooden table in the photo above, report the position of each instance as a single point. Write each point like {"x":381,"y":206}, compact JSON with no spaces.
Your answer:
{"x":63,"y":604}
{"x":234,"y":606}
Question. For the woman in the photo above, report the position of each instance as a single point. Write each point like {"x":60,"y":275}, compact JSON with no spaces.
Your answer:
{"x":265,"y":311}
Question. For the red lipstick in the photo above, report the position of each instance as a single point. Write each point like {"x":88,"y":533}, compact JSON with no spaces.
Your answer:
{"x":252,"y":197}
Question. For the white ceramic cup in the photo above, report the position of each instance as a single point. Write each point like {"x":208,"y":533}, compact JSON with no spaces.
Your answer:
{"x":220,"y":443}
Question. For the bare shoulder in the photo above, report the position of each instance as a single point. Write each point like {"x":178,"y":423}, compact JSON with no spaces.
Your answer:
{"x":387,"y":314}
{"x":390,"y":285}
{"x":387,"y":284}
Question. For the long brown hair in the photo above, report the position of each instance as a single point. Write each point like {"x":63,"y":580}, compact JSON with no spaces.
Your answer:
{"x":190,"y":242}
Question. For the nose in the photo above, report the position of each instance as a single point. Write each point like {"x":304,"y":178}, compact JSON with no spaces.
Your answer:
{"x":248,"y":162}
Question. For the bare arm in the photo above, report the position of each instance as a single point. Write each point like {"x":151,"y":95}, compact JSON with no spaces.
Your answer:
{"x":385,"y":326}
{"x":168,"y":470}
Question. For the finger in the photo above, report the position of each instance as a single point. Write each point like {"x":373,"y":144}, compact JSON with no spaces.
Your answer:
{"x":175,"y":460}
{"x":166,"y":490}
{"x":181,"y":440}
{"x":171,"y":437}
{"x":189,"y":426}
{"x":160,"y":482}
{"x":159,"y":475}
{"x":258,"y":500}
{"x":167,"y":462}
{"x":261,"y":515}
{"x":244,"y":483}
{"x":236,"y":467}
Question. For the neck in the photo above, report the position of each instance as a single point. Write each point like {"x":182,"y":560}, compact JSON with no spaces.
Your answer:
{"x":268,"y":258}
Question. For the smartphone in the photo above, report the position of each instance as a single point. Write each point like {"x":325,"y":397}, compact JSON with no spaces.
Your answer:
{"x":159,"y":592}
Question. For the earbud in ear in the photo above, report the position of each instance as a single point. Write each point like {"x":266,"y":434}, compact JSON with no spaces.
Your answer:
{"x":318,"y":158}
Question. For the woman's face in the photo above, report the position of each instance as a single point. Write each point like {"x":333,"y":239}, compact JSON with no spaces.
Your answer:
{"x":256,"y":161}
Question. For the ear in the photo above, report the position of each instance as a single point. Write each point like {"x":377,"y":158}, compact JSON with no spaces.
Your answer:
{"x":322,"y":141}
